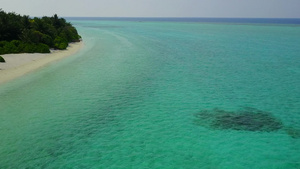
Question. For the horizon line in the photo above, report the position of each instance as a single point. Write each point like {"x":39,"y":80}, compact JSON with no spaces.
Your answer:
{"x":180,"y":17}
{"x":62,"y":16}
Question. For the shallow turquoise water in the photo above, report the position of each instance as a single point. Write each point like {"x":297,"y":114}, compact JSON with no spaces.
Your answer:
{"x":129,"y":99}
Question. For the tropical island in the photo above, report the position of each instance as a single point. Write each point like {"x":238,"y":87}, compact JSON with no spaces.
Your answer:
{"x":22,"y":34}
{"x":27,"y":44}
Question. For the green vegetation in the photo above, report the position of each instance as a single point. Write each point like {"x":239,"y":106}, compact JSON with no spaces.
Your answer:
{"x":22,"y":34}
{"x":2,"y":59}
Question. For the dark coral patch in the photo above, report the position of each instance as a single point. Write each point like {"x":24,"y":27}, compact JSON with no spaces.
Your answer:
{"x":294,"y":133}
{"x":247,"y":119}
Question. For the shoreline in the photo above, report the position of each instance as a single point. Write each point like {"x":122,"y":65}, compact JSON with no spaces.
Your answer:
{"x":17,"y":65}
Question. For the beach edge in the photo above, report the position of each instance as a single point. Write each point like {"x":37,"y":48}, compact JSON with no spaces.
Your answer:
{"x":34,"y":61}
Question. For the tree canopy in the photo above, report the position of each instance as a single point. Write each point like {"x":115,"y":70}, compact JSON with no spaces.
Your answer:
{"x":22,"y":34}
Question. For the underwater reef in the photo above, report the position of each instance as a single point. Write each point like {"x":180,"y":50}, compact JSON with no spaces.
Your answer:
{"x":247,"y":119}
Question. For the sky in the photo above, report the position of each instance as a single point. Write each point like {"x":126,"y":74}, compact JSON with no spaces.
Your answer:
{"x":156,"y":8}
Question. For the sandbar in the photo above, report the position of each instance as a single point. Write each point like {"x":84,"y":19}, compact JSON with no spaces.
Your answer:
{"x":17,"y":65}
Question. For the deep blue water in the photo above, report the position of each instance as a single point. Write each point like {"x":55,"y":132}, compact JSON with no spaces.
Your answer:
{"x":203,"y":20}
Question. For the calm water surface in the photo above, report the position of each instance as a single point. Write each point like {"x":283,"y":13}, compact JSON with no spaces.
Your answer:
{"x":130,"y":98}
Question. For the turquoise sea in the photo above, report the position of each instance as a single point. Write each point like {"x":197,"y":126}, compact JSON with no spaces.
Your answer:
{"x":160,"y":94}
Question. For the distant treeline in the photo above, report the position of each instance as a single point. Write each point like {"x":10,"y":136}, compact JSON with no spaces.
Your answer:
{"x":22,"y":34}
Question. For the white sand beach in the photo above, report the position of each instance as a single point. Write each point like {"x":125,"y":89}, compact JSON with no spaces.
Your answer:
{"x":17,"y":65}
